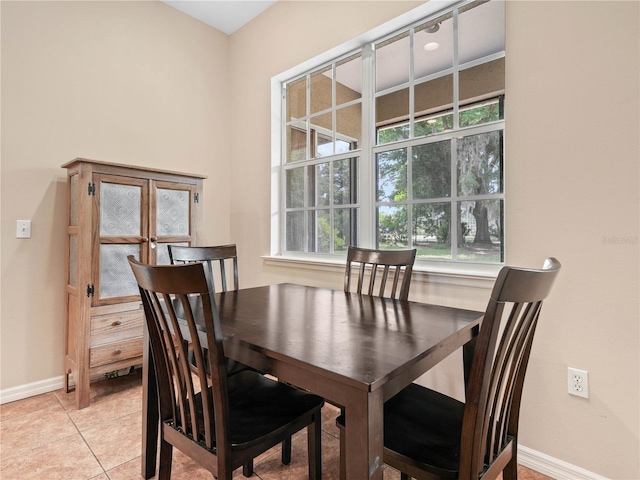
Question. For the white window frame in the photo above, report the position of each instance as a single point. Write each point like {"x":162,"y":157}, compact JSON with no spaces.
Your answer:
{"x":366,"y":154}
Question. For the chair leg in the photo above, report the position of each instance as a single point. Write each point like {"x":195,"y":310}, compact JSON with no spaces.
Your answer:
{"x":510,"y":472}
{"x":286,"y":451}
{"x":247,"y":468}
{"x":343,"y":455}
{"x":166,"y":453}
{"x":314,"y":447}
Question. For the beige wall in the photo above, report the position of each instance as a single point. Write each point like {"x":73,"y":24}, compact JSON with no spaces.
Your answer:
{"x":130,"y":82}
{"x":572,"y":183}
{"x":142,"y":83}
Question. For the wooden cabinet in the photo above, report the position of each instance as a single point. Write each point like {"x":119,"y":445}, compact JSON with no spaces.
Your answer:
{"x":115,"y":211}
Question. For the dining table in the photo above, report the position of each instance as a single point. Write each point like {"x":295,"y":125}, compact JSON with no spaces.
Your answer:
{"x":356,"y":351}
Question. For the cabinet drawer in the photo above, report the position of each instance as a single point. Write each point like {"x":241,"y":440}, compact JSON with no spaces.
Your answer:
{"x":116,"y":327}
{"x":116,"y":351}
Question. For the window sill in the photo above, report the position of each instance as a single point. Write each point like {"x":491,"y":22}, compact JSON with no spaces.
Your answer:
{"x":466,"y":275}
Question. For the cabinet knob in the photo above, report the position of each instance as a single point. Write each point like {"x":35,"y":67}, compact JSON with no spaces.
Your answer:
{"x":145,"y":239}
{"x":117,"y":352}
{"x":116,"y":323}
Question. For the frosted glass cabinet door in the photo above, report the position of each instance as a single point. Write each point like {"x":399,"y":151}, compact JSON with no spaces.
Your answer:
{"x":171,"y":221}
{"x":123,"y":231}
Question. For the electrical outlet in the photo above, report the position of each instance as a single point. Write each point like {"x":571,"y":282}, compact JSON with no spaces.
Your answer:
{"x":578,"y":382}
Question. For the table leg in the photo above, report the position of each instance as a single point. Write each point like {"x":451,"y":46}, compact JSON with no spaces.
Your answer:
{"x":365,"y":437}
{"x":150,"y":411}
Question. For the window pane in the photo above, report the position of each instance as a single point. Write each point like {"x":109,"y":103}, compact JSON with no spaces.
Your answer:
{"x":321,"y":89}
{"x":297,"y":99}
{"x":434,"y":124}
{"x":431,"y":230}
{"x":295,"y":188}
{"x":432,"y":106}
{"x":482,"y":81}
{"x":431,"y":171}
{"x":483,"y":112}
{"x":295,"y":232}
{"x":482,"y":231}
{"x":344,"y":181}
{"x":345,"y":224}
{"x":322,"y":130}
{"x":391,"y":109}
{"x":296,"y":144}
{"x":480,"y":164}
{"x":480,"y":30}
{"x":322,"y":185}
{"x":320,"y":224}
{"x":433,"y":46}
{"x":348,"y":128}
{"x":391,"y":175}
{"x":349,"y":79}
{"x":392,"y":227}
{"x":392,"y":62}
{"x":324,"y":145}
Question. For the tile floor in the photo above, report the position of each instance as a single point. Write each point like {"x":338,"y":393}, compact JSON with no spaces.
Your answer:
{"x":47,"y":438}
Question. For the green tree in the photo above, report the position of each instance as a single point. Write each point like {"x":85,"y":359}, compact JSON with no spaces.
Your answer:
{"x":480,"y":173}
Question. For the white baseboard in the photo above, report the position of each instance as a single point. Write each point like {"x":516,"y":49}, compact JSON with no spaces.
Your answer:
{"x":31,"y":389}
{"x":552,"y":467}
{"x":540,"y":462}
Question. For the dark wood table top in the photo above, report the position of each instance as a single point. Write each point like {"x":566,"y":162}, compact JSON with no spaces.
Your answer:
{"x":365,"y":340}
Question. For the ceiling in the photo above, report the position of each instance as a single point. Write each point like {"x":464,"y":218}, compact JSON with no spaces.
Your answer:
{"x":226,"y":16}
{"x":478,"y":38}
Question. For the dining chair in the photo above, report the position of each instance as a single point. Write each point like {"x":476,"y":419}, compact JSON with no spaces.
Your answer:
{"x":374,"y":268}
{"x":216,"y":259}
{"x":220,"y":421}
{"x":220,"y":256}
{"x":428,"y":435}
{"x":394,"y":264}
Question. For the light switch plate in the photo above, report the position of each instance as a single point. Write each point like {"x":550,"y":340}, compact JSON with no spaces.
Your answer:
{"x":23,"y":229}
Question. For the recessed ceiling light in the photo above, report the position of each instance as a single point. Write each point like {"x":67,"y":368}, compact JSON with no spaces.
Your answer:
{"x":431,"y":46}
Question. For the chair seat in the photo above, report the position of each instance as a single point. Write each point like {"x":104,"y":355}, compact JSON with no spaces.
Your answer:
{"x":425,"y":426}
{"x":259,"y":406}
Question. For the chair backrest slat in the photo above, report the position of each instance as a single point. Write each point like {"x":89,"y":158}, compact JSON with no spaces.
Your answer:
{"x":494,"y":386}
{"x":215,"y":259}
{"x":398,"y":262}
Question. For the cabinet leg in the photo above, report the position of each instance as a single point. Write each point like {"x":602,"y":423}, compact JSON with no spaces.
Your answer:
{"x":83,"y":390}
